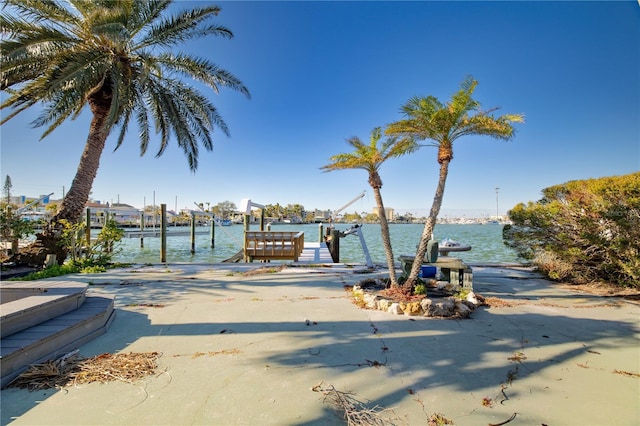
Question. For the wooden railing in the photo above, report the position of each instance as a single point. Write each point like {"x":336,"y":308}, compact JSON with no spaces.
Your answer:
{"x":273,"y":245}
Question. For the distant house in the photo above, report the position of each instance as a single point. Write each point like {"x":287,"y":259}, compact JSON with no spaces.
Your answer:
{"x":124,"y":214}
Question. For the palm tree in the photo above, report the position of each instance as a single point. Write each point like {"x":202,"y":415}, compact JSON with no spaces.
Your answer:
{"x":370,"y":158}
{"x":118,"y":58}
{"x":427,"y":118}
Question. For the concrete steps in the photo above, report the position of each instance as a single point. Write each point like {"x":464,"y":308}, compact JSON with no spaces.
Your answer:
{"x":43,"y":320}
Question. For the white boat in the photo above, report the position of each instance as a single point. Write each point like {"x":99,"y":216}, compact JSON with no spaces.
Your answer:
{"x":448,"y":242}
{"x":448,"y":245}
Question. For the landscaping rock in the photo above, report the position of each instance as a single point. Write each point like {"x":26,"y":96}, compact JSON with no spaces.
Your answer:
{"x":471,"y":300}
{"x":425,"y":304}
{"x":462,"y":310}
{"x":384,"y":304}
{"x":395,"y":309}
{"x":436,"y":306}
{"x":411,"y":308}
{"x":442,"y":308}
{"x":371,"y":300}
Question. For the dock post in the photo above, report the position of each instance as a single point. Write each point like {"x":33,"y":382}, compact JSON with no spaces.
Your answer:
{"x":320,"y":233}
{"x":163,"y":233}
{"x":334,"y":245}
{"x":142,"y":230}
{"x":193,"y":232}
{"x":87,"y":230}
{"x":212,"y":233}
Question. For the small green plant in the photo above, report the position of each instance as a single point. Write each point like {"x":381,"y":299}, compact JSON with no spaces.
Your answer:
{"x":68,"y":268}
{"x":462,"y":294}
{"x":97,"y":252}
{"x":49,"y":272}
{"x":420,"y":289}
{"x":94,"y":269}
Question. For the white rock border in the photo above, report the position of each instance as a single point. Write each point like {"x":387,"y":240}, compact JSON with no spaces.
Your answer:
{"x":447,"y":307}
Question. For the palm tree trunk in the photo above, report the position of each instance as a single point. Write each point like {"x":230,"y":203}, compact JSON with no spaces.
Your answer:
{"x":428,"y":226}
{"x":386,"y":239}
{"x":75,"y":200}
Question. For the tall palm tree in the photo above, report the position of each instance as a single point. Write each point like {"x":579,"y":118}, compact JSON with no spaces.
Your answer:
{"x":443,"y":124}
{"x":370,"y":158}
{"x":118,"y":58}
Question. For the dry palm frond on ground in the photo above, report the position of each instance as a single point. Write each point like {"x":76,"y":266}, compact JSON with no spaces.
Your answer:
{"x":354,"y":412}
{"x":496,"y":302}
{"x":74,"y":369}
{"x":264,"y":270}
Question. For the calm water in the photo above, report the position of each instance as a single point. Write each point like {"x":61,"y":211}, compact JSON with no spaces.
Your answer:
{"x":486,"y":241}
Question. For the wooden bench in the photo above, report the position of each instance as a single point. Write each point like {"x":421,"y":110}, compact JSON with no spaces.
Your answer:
{"x":273,"y":245}
{"x":453,"y":269}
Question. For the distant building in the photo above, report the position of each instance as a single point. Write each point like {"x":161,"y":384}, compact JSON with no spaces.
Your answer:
{"x":320,"y":216}
{"x":124,"y":214}
{"x":389,"y":212}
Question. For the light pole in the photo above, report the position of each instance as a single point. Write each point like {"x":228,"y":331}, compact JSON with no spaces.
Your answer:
{"x":497,"y":210}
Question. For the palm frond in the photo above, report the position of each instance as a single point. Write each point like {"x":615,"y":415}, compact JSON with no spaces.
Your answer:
{"x":183,"y":27}
{"x":40,"y":11}
{"x":429,"y":119}
{"x":142,"y":118}
{"x":371,"y":157}
{"x":114,"y":54}
{"x":202,"y":70}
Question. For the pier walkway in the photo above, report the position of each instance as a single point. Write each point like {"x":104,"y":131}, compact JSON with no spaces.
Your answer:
{"x":156,"y":233}
{"x":315,"y":252}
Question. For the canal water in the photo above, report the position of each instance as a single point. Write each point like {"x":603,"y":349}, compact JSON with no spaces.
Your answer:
{"x":486,"y":242}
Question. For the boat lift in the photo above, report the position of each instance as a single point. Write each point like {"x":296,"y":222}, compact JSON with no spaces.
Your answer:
{"x":335,"y":212}
{"x":217,"y":222}
{"x":28,"y":206}
{"x":355,"y":229}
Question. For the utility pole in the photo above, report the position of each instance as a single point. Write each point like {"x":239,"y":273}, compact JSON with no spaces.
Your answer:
{"x":497,"y":210}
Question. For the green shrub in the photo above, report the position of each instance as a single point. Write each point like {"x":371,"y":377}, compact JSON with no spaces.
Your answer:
{"x":12,"y":226}
{"x":50,"y":272}
{"x":582,"y":231}
{"x":420,"y":289}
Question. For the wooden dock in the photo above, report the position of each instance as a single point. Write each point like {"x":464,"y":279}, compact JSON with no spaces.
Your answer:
{"x":155,"y":233}
{"x":315,"y":252}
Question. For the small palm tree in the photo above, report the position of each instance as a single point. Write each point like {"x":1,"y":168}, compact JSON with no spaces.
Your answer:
{"x":427,"y":118}
{"x":117,"y":58}
{"x":370,"y":158}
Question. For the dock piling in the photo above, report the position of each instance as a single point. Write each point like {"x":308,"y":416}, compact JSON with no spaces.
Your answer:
{"x":163,"y":233}
{"x":193,"y":232}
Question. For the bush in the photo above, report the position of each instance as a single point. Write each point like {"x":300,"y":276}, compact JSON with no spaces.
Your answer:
{"x":420,"y":289}
{"x":582,"y":231}
{"x":49,"y":272}
{"x":12,"y":226}
{"x":99,"y":252}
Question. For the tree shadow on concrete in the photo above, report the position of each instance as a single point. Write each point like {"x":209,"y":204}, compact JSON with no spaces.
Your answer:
{"x":416,"y":357}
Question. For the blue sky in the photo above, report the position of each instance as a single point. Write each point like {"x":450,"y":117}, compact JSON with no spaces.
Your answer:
{"x":321,"y":72}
